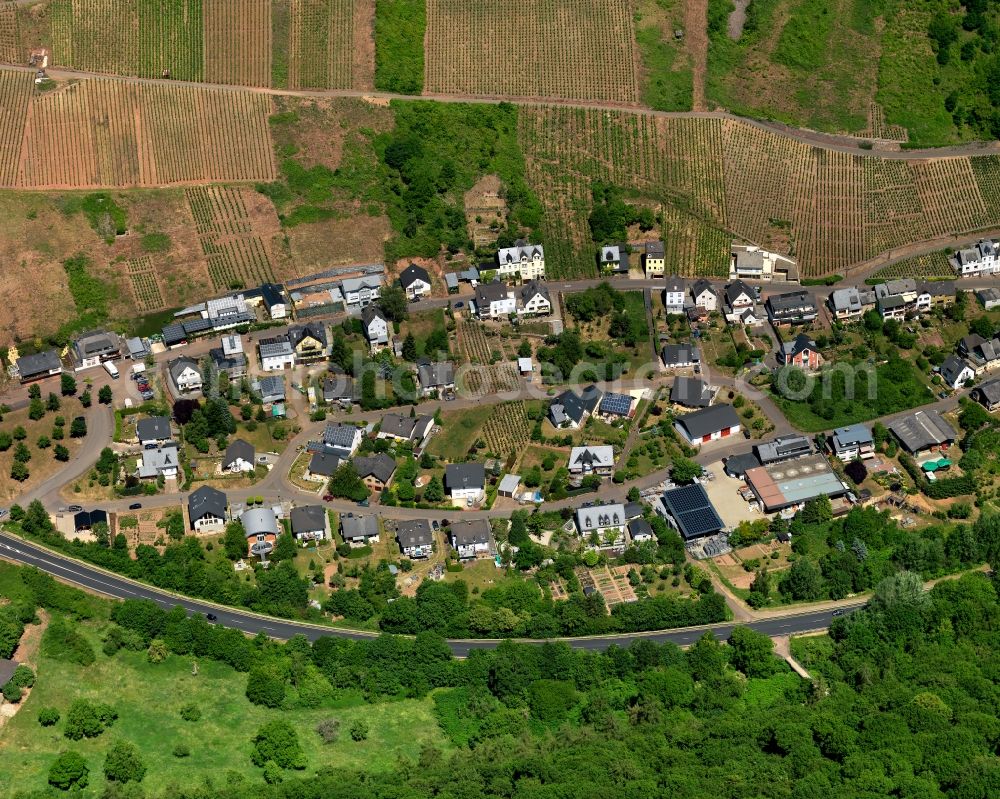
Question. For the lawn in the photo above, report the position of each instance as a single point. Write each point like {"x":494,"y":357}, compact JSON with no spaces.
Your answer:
{"x":421,"y":325}
{"x":148,"y":698}
{"x":481,"y":574}
{"x":459,"y":430}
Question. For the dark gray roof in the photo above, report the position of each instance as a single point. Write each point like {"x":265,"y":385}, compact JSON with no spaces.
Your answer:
{"x":207,"y":501}
{"x":490,"y":292}
{"x":988,"y":391}
{"x":471,"y":531}
{"x":576,"y":406}
{"x":801,"y":344}
{"x":692,"y":511}
{"x":922,"y":429}
{"x":307,"y":519}
{"x":178,"y":365}
{"x":952,"y":369}
{"x":783,"y":448}
{"x":680,"y":354}
{"x":380,"y":466}
{"x":97,"y":342}
{"x":431,"y":375}
{"x":415,"y":533}
{"x":691,"y":392}
{"x":324,"y":463}
{"x":315,"y":330}
{"x":85,"y":520}
{"x":38,"y":364}
{"x":791,"y":302}
{"x":153,"y":428}
{"x":700,"y":287}
{"x":173,"y":334}
{"x":709,"y":420}
{"x":530,"y":289}
{"x":464,"y":475}
{"x":338,"y":386}
{"x":272,"y":386}
{"x":7,"y":669}
{"x":412,"y":274}
{"x":737,"y":465}
{"x":353,"y":527}
{"x":198,"y":325}
{"x":640,"y":527}
{"x":654,"y":248}
{"x":369,"y":313}
{"x":736,"y":288}
{"x":238,"y":449}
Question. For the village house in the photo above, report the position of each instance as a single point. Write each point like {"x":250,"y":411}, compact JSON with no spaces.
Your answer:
{"x":739,"y":295}
{"x":375,"y":471}
{"x":988,"y":395}
{"x":674,"y":292}
{"x":94,"y":348}
{"x":224,"y":313}
{"x":310,"y":523}
{"x":640,"y":531}
{"x":570,"y":410}
{"x":801,"y":352}
{"x":239,"y":457}
{"x":271,"y":389}
{"x":375,"y":327}
{"x":851,"y":442}
{"x":598,"y":460}
{"x":615,"y":406}
{"x":321,"y":466}
{"x":276,"y":353}
{"x":185,"y":374}
{"x":523,"y":261}
{"x":342,"y":439}
{"x":955,"y":372}
{"x":360,"y":292}
{"x":494,"y":301}
{"x":338,"y":387}
{"x":923,"y":430}
{"x":783,"y":448}
{"x":153,"y":430}
{"x":229,"y":358}
{"x":309,"y":342}
{"x":791,"y":308}
{"x":533,"y":299}
{"x":680,"y":356}
{"x":416,"y":282}
{"x":982,"y":258}
{"x":262,"y":530}
{"x":748,"y":262}
{"x":38,"y":366}
{"x":271,"y":297}
{"x":612,"y":259}
{"x":705,"y":296}
{"x":207,"y":510}
{"x":654,"y":262}
{"x":602,"y":526}
{"x":465,"y":482}
{"x":415,"y":538}
{"x":159,"y":461}
{"x":690,"y":392}
{"x":398,"y":427}
{"x":439,"y":377}
{"x":989,"y":297}
{"x":472,"y":538}
{"x":850,"y":303}
{"x":359,"y":531}
{"x":709,"y":424}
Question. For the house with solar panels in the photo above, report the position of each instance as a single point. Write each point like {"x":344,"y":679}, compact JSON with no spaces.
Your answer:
{"x":689,"y":510}
{"x":616,"y":406}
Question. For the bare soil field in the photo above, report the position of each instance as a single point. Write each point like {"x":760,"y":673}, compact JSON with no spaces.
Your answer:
{"x":571,"y":49}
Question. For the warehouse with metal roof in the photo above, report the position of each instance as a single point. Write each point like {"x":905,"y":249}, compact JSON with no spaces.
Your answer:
{"x":791,"y":483}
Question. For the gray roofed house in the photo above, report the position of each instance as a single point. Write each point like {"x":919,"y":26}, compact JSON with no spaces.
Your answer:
{"x":608,"y":522}
{"x":592,"y":460}
{"x":472,"y":538}
{"x":415,"y":280}
{"x":680,"y":355}
{"x":533,"y":298}
{"x":260,"y":523}
{"x":153,"y":429}
{"x":715,"y":421}
{"x":613,"y":258}
{"x":639,"y":530}
{"x":174,"y":335}
{"x":162,"y":461}
{"x":852,"y":441}
{"x":464,"y":478}
{"x":415,"y":538}
{"x":322,"y":465}
{"x":791,"y":308}
{"x":739,"y":294}
{"x":955,"y":372}
{"x":436,"y":376}
{"x":570,"y":409}
{"x":272,"y":389}
{"x":405,"y":428}
{"x":988,"y":394}
{"x":783,"y":448}
{"x":309,"y":340}
{"x":846,"y":303}
{"x":239,"y":456}
{"x":494,"y":299}
{"x":690,"y":392}
{"x":922,"y":430}
{"x":358,"y":531}
{"x":344,"y":437}
{"x":989,"y":297}
{"x":309,"y":522}
{"x":138,"y":349}
{"x":38,"y":365}
{"x":207,"y":508}
{"x":90,"y":349}
{"x":338,"y":387}
{"x":185,"y":373}
{"x":705,"y":295}
{"x":377,"y":468}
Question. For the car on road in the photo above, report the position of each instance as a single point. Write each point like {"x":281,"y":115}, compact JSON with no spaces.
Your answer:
{"x":839,"y":612}
{"x":363,"y":503}
{"x":135,"y":506}
{"x":328,"y":497}
{"x":75,"y":508}
{"x":211,"y":617}
{"x":459,"y":304}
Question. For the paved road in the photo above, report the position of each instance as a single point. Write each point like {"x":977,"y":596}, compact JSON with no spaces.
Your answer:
{"x":85,"y":576}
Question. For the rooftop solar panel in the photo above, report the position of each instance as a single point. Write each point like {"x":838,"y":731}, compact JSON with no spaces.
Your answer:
{"x":616,"y":403}
{"x":692,"y":511}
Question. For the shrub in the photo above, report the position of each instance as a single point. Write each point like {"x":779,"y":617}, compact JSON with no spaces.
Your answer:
{"x":190,"y":712}
{"x":62,"y":642}
{"x":23,"y":677}
{"x":123,"y":763}
{"x":359,"y":730}
{"x":69,"y":771}
{"x":48,"y":716}
{"x":278,"y":743}
{"x":11,"y":692}
{"x":328,"y":730}
{"x":182,"y":750}
{"x":88,"y":720}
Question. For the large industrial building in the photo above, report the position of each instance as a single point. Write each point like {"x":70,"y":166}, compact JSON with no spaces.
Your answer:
{"x":790,"y":483}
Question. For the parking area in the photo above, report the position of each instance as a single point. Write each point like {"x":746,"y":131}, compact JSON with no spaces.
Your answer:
{"x":724,"y":493}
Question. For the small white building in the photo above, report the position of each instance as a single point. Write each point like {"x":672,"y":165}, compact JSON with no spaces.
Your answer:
{"x":185,"y":374}
{"x":416,"y":281}
{"x":673,"y":295}
{"x":533,"y":299}
{"x":705,"y":296}
{"x":523,"y":261}
{"x":592,"y":460}
{"x":494,"y":301}
{"x":465,"y":482}
{"x":239,"y":457}
{"x":983,"y":258}
{"x":276,"y":354}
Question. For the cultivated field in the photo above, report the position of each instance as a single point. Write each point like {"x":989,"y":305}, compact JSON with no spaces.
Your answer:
{"x":715,"y":178}
{"x":10,"y":51}
{"x":573,"y":49}
{"x":238,"y":42}
{"x":105,"y":133}
{"x":321,"y":35}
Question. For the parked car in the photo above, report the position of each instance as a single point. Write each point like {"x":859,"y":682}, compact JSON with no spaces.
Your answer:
{"x":363,"y":503}
{"x":328,"y":497}
{"x":75,"y":508}
{"x":135,"y":506}
{"x":435,"y":524}
{"x":459,"y":304}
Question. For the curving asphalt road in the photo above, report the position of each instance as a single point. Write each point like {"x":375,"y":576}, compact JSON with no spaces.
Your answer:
{"x":77,"y":573}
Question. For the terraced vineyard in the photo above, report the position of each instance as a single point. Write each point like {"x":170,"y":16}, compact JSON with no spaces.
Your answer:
{"x":508,"y":428}
{"x":145,"y":287}
{"x":320,"y":48}
{"x":716,"y":179}
{"x":482,"y":377}
{"x":236,"y":256}
{"x":10,"y":50}
{"x":238,"y":42}
{"x":571,"y":49}
{"x":934,"y":264}
{"x":105,"y":133}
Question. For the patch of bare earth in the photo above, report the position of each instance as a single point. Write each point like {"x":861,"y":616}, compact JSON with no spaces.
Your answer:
{"x":363,"y":68}
{"x":696,"y":41}
{"x":354,"y":240}
{"x":485,"y":211}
